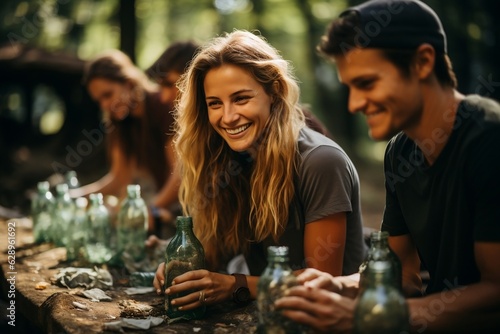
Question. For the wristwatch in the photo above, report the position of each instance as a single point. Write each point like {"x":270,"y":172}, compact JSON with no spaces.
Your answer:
{"x":241,"y":293}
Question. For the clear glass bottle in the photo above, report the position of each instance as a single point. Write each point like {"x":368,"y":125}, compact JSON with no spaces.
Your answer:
{"x":381,"y":308}
{"x":274,"y":281}
{"x":77,"y":231}
{"x":380,"y":251}
{"x":71,"y":179}
{"x":41,"y":209}
{"x":62,"y":215}
{"x":184,"y":253}
{"x":97,"y":247}
{"x":132,"y":225}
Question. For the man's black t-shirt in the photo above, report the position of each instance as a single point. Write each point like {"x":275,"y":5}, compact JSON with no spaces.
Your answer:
{"x":453,"y":203}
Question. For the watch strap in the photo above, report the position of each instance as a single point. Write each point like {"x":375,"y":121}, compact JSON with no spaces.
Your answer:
{"x":241,"y":281}
{"x":241,"y":293}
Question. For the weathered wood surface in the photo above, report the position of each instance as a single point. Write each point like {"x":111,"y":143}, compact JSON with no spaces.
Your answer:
{"x":53,"y":309}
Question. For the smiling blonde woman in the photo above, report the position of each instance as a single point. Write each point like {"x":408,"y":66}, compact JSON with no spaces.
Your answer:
{"x":254,"y":175}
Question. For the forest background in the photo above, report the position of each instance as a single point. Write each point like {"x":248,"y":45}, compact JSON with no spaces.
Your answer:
{"x":80,"y":29}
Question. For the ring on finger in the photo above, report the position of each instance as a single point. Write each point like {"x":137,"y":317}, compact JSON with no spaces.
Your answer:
{"x":202,"y":299}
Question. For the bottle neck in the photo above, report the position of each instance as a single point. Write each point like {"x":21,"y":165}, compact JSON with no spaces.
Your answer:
{"x":96,"y":200}
{"x":380,"y":244}
{"x":42,"y":192}
{"x":278,"y":259}
{"x":63,"y":195}
{"x":133,"y":191}
{"x":379,"y":239}
{"x":277,"y":254}
{"x":184,"y":224}
{"x":62,"y":190}
{"x":72,"y":180}
{"x":43,"y":187}
{"x":380,"y":273}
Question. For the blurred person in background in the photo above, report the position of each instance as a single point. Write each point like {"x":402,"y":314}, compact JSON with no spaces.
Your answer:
{"x":169,"y":67}
{"x":166,"y":71}
{"x":139,"y":134}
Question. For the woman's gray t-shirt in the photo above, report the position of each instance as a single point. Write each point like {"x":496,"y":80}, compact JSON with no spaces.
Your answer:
{"x":327,"y":183}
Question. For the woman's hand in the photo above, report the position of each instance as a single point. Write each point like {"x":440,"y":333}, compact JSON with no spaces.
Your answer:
{"x":159,"y":280}
{"x":209,"y":287}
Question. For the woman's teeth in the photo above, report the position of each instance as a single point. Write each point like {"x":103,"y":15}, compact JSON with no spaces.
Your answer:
{"x":237,"y":130}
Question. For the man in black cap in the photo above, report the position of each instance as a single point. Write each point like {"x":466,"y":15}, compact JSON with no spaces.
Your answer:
{"x":441,"y":165}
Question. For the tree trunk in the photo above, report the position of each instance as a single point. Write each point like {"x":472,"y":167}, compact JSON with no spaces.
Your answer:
{"x":128,"y":25}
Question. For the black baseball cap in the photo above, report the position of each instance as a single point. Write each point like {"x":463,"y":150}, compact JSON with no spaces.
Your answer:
{"x":399,"y":24}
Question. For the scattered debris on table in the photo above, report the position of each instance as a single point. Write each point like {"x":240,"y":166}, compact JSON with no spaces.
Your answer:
{"x":80,"y":306}
{"x":134,"y":309}
{"x":41,"y":285}
{"x":143,"y":324}
{"x":72,"y":277}
{"x":138,"y":291}
{"x":96,"y":295}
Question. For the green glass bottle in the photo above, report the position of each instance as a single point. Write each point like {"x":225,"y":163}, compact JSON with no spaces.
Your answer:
{"x":71,"y":179}
{"x":184,"y":253}
{"x":77,"y":231}
{"x":380,"y":251}
{"x":97,"y":248}
{"x":275,"y":279}
{"x":132,"y":225}
{"x":381,"y":308}
{"x":41,"y":209}
{"x":62,"y":215}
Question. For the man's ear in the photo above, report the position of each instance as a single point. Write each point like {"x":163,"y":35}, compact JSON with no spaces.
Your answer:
{"x":425,"y":58}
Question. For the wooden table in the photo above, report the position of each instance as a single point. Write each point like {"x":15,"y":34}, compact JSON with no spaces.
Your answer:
{"x":53,"y":310}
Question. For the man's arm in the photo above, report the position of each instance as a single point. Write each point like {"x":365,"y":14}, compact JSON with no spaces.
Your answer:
{"x":470,"y":308}
{"x":405,"y":249}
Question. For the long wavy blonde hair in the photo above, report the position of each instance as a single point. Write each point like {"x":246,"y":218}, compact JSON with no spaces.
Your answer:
{"x":235,"y":199}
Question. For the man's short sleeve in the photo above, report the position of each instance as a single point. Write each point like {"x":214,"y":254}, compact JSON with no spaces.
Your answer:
{"x":484,"y":182}
{"x":393,"y":219}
